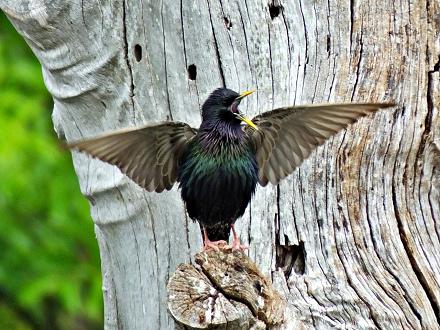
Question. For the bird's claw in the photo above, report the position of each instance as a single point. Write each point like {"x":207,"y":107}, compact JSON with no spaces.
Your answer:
{"x":236,"y":246}
{"x":223,"y":245}
{"x":216,"y":245}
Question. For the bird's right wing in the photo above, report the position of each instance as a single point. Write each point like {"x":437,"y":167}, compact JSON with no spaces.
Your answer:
{"x":148,"y":155}
{"x":286,"y":136}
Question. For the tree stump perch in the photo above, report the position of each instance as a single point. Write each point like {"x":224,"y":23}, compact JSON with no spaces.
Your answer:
{"x":223,"y":290}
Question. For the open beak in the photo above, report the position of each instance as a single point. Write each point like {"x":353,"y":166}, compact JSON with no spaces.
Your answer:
{"x":244,"y":94}
{"x":239,"y":116}
{"x":247,"y":121}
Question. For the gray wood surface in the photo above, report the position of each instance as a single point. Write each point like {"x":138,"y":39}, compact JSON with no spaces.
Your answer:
{"x":356,"y":227}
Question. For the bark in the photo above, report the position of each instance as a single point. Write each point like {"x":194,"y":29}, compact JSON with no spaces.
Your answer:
{"x":352,"y":237}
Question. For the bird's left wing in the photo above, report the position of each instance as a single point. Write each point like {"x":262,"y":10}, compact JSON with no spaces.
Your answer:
{"x":148,"y":155}
{"x":286,"y":136}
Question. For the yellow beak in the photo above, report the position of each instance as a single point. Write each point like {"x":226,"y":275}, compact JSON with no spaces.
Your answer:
{"x":246,"y":120}
{"x":244,"y":94}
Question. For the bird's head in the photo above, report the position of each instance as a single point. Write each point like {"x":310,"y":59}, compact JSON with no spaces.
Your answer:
{"x":222,"y":105}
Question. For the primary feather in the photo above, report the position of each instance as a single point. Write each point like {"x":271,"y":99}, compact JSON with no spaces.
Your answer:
{"x":148,"y":155}
{"x":287,"y":136}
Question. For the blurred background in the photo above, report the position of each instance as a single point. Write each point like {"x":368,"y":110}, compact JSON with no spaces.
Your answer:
{"x":49,"y":261}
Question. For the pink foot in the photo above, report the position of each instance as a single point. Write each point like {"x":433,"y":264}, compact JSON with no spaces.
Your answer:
{"x":236,"y":245}
{"x":210,"y":245}
{"x":216,"y":245}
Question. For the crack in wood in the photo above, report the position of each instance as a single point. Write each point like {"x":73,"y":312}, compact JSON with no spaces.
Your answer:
{"x":352,"y":16}
{"x":217,"y":51}
{"x":237,"y":71}
{"x":246,"y":42}
{"x":165,"y":64}
{"x":218,"y":288}
{"x":183,"y":33}
{"x":156,"y":252}
{"x":289,"y":46}
{"x":187,"y":236}
{"x":306,"y":50}
{"x":271,"y":66}
{"x":358,"y":65}
{"x":430,"y":102}
{"x":126,"y":51}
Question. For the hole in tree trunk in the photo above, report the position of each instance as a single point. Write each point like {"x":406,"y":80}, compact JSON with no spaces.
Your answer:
{"x":291,"y":257}
{"x":274,"y":10}
{"x":192,"y":72}
{"x":138,"y":52}
{"x":228,"y":23}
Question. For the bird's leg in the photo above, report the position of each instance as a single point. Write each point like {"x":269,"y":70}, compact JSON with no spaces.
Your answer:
{"x":236,"y":245}
{"x":209,"y":245}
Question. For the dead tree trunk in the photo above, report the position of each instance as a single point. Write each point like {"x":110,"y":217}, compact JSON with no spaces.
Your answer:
{"x":353,"y":236}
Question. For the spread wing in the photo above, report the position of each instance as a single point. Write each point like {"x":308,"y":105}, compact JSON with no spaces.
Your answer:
{"x":286,"y":136}
{"x":148,"y":155}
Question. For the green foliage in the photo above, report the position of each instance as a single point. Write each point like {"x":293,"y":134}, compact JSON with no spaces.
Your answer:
{"x":49,"y":261}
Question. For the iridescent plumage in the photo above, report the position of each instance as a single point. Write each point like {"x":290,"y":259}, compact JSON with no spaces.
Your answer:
{"x":218,"y":174}
{"x":219,"y":165}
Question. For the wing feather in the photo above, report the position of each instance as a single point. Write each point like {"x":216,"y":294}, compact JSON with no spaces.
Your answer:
{"x":148,"y":155}
{"x":287,"y":136}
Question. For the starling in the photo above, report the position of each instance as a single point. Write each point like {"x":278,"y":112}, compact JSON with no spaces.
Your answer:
{"x":219,"y":165}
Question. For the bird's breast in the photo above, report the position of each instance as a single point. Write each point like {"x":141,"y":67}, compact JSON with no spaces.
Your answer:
{"x":224,"y":166}
{"x":217,"y":185}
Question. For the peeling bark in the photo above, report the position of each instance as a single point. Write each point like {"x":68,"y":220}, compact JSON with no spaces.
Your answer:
{"x":351,"y":238}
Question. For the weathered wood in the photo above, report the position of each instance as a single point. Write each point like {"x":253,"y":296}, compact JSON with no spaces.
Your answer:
{"x":352,"y":237}
{"x":227,"y":290}
{"x":196,"y":304}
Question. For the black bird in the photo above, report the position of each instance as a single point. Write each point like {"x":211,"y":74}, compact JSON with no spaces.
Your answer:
{"x":219,"y":165}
